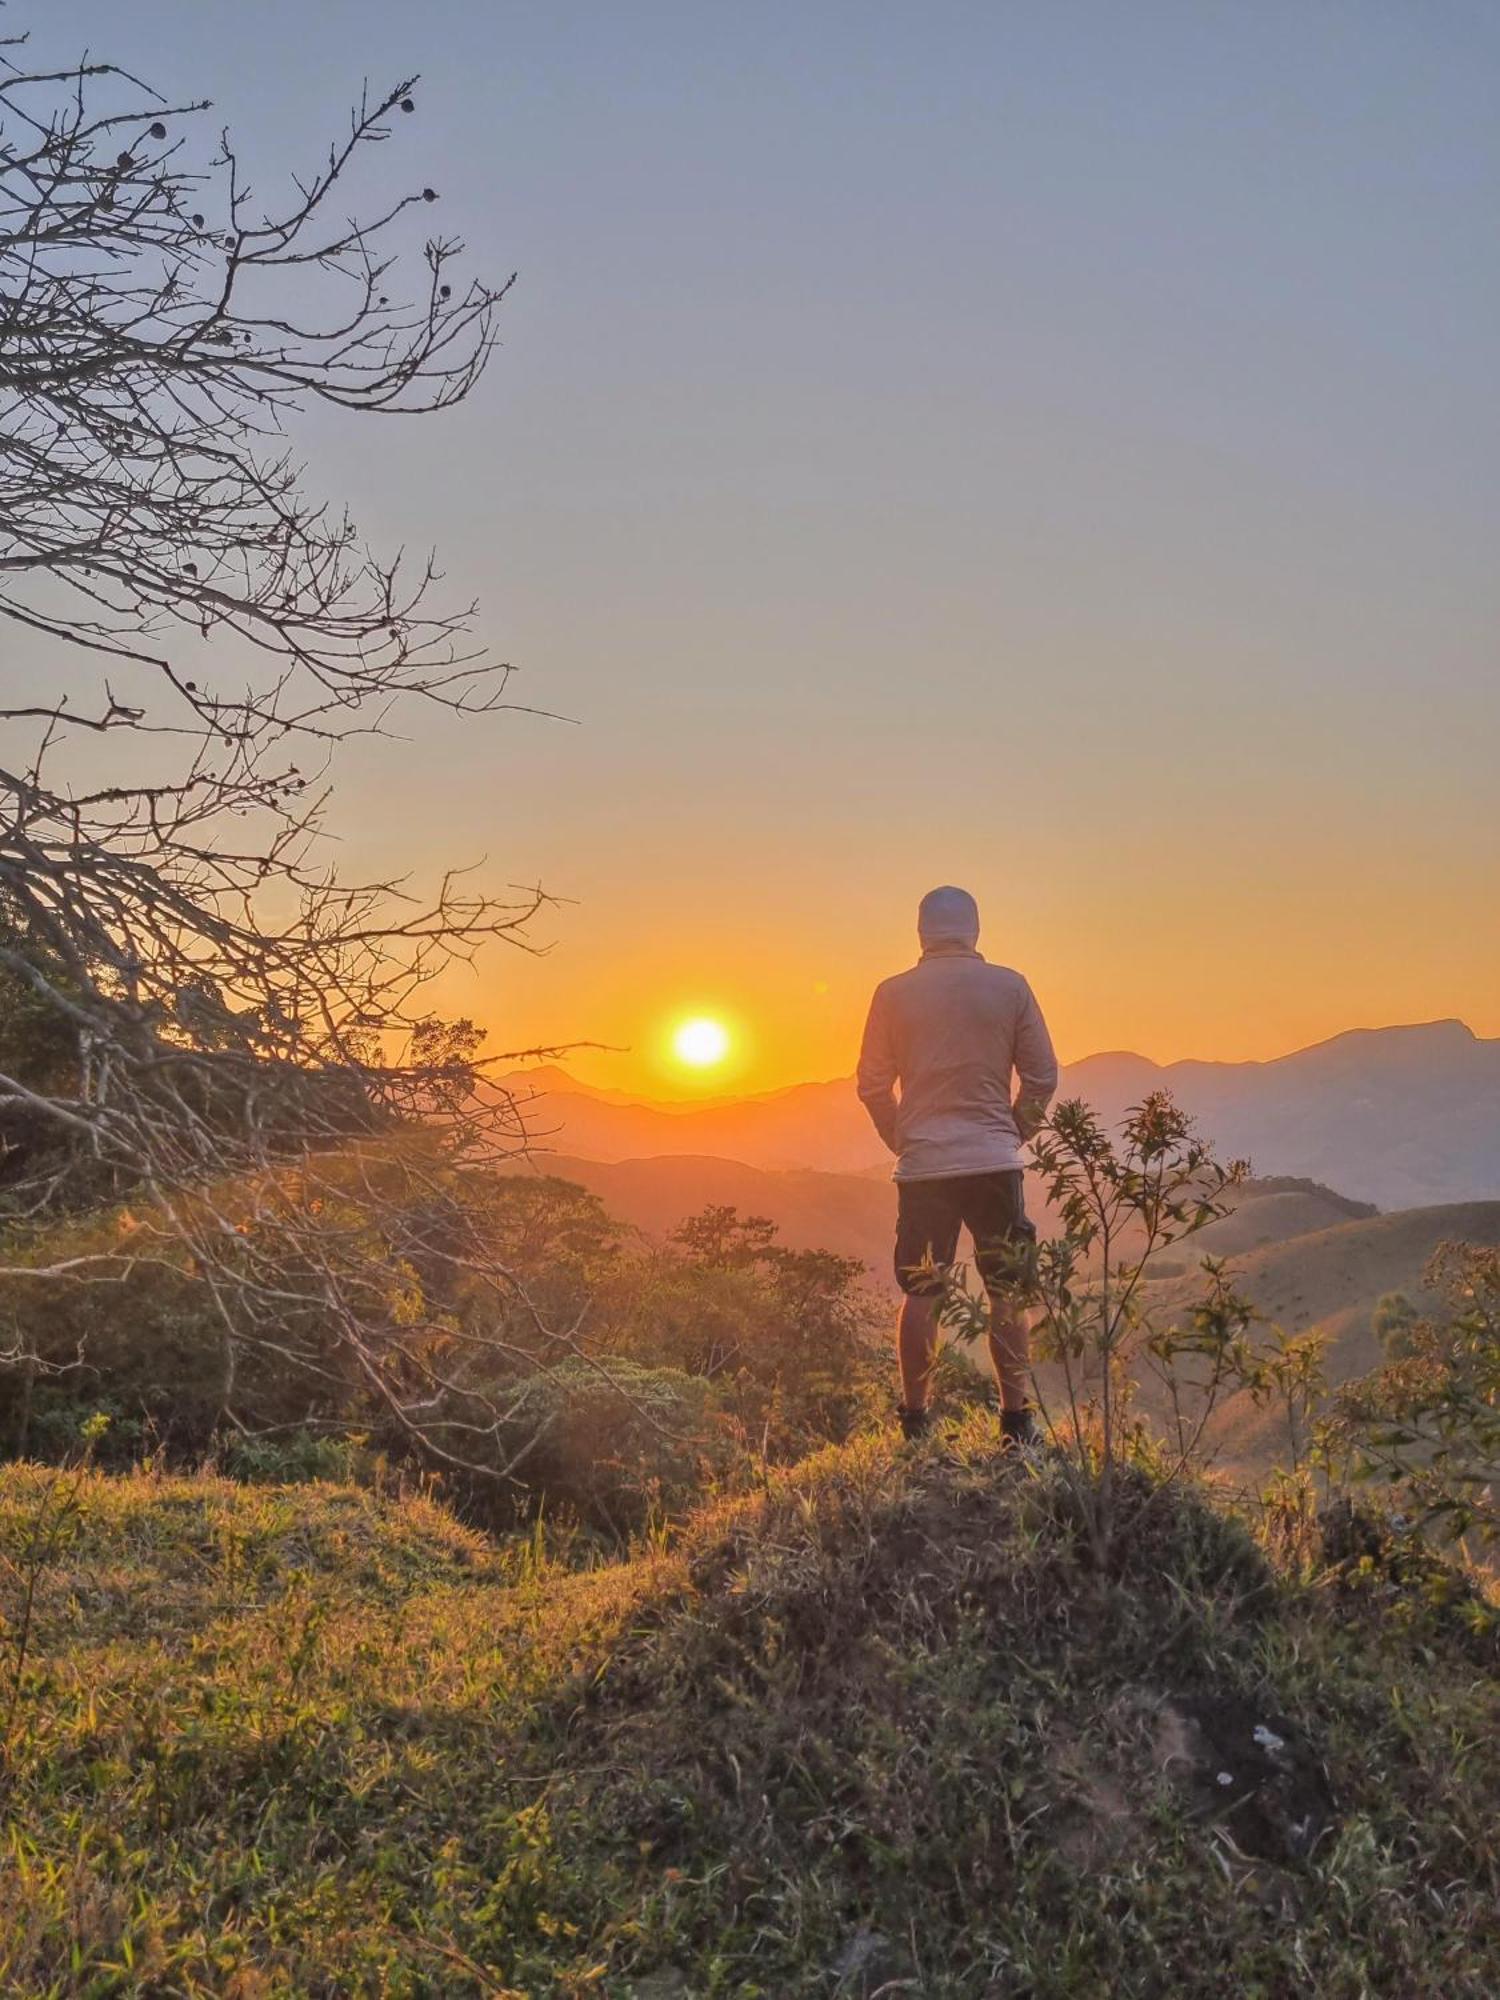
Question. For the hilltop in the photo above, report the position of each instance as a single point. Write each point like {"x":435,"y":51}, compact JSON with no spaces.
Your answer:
{"x":876,"y":1729}
{"x":1274,"y":1211}
{"x":1401,"y":1117}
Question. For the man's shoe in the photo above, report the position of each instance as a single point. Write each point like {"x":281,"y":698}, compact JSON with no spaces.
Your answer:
{"x":914,"y":1423}
{"x":1018,"y":1431}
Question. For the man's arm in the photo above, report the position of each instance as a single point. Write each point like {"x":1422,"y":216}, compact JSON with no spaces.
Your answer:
{"x":1036,"y":1068}
{"x":876,"y":1080}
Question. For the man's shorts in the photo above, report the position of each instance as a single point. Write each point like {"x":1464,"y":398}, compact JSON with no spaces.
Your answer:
{"x":929,"y":1215}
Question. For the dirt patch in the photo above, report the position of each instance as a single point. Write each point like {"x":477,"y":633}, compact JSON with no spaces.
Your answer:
{"x":1246,"y":1769}
{"x":1098,"y":1822}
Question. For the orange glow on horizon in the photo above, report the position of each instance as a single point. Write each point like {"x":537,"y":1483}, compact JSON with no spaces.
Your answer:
{"x":785,"y":1027}
{"x":1250,"y":968}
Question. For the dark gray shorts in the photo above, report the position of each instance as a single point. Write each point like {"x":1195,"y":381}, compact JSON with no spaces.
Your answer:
{"x":929,"y":1215}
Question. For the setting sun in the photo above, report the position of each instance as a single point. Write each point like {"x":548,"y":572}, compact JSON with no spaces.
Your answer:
{"x":701,"y":1042}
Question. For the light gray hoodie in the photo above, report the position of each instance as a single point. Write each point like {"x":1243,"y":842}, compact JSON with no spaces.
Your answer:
{"x":952,"y":1032}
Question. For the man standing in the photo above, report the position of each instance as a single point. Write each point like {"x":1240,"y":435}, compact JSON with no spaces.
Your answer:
{"x":951,"y":1032}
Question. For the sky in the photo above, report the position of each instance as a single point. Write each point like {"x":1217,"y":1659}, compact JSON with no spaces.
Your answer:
{"x":1046,"y":447}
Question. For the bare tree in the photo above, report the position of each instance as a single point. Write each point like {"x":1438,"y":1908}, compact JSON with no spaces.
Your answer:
{"x":241,"y":1041}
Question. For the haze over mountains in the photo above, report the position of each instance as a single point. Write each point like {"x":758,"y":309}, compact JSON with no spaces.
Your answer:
{"x":853,"y":1214}
{"x":1403,"y":1117}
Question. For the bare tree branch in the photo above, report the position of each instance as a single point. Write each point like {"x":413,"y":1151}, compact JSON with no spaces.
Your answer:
{"x":240,"y":1043}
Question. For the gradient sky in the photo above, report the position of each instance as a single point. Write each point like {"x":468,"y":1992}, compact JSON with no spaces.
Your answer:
{"x":1053,"y":448}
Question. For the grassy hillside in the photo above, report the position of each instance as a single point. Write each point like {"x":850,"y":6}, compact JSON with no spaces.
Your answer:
{"x":1330,"y":1280}
{"x":1264,"y":1213}
{"x":1314,"y":1278}
{"x":877,"y":1729}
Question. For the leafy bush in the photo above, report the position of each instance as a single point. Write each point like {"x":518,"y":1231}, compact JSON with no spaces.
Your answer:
{"x":763,"y":1353}
{"x":299,"y":1458}
{"x":785,"y":1336}
{"x":615,"y":1448}
{"x":141,"y":1330}
{"x":1428,"y":1422}
{"x":1392,"y":1323}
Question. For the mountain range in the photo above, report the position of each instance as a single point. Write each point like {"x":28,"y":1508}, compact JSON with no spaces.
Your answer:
{"x":1402,"y":1117}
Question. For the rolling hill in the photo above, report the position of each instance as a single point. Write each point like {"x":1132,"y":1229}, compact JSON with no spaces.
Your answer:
{"x":1403,"y":1117}
{"x":1269,"y":1212}
{"x":850,"y":1213}
{"x":821,"y":1126}
{"x":855,"y":1214}
{"x":1329,"y":1281}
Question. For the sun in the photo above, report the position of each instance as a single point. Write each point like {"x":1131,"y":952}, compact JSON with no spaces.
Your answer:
{"x":701,"y":1042}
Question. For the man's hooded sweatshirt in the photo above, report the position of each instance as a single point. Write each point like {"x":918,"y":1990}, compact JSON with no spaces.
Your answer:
{"x":953,"y":1032}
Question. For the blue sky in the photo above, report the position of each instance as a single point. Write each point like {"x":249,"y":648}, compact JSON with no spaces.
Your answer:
{"x":1051,"y":447}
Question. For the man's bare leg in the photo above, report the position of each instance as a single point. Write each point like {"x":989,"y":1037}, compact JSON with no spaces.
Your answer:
{"x":1010,"y":1352}
{"x":916,"y":1349}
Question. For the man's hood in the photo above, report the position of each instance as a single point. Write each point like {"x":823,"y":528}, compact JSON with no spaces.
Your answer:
{"x":948,"y":916}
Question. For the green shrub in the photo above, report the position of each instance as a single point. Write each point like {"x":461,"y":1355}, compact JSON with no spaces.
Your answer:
{"x":787,"y":1337}
{"x":613,"y":1446}
{"x":299,"y":1458}
{"x":762,"y":1353}
{"x":1427,"y":1423}
{"x":1394,"y":1320}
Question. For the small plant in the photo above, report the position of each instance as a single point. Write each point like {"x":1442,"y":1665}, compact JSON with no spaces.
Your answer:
{"x":51,"y":1527}
{"x":1292,"y":1373}
{"x":1393,"y":1321}
{"x":297,"y":1458}
{"x":1120,"y":1202}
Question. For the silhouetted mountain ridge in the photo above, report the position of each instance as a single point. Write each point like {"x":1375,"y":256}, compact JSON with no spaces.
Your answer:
{"x":1401,"y":1116}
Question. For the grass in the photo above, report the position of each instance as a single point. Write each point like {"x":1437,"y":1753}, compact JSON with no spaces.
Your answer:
{"x":877,"y":1729}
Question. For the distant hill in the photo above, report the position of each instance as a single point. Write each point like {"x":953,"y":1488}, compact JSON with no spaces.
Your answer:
{"x":854,"y":1214}
{"x":1402,"y":1117}
{"x":1267,"y":1212}
{"x":814,"y":1125}
{"x":849,"y":1213}
{"x":1330,"y":1280}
